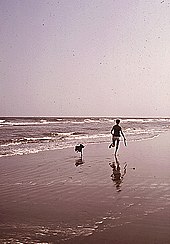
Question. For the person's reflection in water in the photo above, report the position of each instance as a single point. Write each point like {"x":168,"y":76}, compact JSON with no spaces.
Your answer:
{"x":79,"y":162}
{"x":117,"y":175}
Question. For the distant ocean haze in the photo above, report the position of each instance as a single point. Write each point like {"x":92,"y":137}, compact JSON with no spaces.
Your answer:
{"x":25,"y":135}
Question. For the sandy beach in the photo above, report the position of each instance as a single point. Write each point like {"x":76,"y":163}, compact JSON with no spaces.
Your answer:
{"x":54,"y":197}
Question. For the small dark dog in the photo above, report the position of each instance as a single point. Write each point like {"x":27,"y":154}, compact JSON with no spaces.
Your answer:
{"x":79,"y":148}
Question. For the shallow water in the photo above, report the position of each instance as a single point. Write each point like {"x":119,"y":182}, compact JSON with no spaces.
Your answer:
{"x":30,"y":135}
{"x":49,"y":198}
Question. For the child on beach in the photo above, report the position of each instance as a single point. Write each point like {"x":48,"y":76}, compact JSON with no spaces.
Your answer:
{"x":116,"y":132}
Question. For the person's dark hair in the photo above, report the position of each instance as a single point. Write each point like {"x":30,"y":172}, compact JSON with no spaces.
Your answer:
{"x":117,"y":121}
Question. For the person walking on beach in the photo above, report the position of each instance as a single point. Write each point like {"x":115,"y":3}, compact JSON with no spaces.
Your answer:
{"x":116,"y":132}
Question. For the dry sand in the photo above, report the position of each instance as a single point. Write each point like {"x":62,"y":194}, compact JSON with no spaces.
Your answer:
{"x":53,"y":197}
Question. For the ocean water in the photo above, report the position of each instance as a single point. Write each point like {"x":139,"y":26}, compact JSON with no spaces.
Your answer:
{"x":25,"y":135}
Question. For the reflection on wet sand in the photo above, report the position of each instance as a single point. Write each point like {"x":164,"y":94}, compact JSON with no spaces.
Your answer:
{"x":79,"y":162}
{"x":117,"y":176}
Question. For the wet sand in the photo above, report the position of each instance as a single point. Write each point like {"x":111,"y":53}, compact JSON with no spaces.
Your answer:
{"x":54,"y":197}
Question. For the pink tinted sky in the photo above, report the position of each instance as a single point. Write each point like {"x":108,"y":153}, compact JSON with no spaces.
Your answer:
{"x":85,"y":58}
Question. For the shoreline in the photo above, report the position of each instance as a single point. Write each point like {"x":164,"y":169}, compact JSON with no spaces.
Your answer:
{"x":54,"y":197}
{"x":88,"y":144}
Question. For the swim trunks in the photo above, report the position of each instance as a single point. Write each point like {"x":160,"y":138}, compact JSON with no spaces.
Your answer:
{"x":115,"y":137}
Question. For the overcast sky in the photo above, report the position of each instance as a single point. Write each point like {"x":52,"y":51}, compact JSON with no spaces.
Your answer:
{"x":85,"y":58}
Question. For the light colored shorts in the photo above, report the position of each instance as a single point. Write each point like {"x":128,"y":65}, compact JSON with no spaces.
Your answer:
{"x":116,"y":138}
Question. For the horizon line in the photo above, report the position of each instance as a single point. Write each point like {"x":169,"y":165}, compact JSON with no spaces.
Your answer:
{"x":83,"y":116}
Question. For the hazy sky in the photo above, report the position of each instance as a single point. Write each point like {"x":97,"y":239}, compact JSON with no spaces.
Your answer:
{"x":85,"y":58}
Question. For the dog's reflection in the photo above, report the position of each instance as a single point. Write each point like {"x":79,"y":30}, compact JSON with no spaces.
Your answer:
{"x":117,"y":176}
{"x":79,"y":162}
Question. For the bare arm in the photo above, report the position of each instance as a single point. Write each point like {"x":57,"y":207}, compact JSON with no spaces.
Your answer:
{"x":123,"y":137}
{"x":123,"y":134}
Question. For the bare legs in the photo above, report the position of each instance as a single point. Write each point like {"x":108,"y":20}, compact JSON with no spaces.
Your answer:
{"x":117,"y":146}
{"x":113,"y":143}
{"x":117,"y":141}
